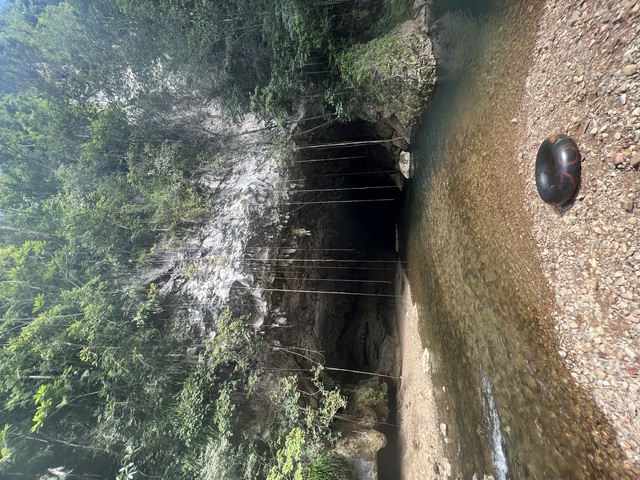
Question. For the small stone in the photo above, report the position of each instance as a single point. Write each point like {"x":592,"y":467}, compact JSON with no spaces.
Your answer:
{"x":621,"y":89}
{"x":598,"y":230}
{"x":623,"y":99}
{"x":636,"y":112}
{"x":443,"y":429}
{"x":574,"y":18}
{"x":426,"y":365}
{"x":627,"y":56}
{"x":629,"y":70}
{"x":594,"y":131}
{"x":514,"y":120}
{"x":635,"y":160}
{"x":627,"y":204}
{"x":617,"y":158}
{"x":447,"y":468}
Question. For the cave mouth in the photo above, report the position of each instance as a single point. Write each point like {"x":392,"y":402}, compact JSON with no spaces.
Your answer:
{"x":345,"y":203}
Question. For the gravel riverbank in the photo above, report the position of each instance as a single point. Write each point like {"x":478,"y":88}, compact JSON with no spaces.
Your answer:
{"x":585,"y":82}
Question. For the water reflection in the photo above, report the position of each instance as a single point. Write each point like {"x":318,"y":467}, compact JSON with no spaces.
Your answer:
{"x":512,"y":408}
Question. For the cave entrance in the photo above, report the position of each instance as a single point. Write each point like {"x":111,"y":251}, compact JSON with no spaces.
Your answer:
{"x":345,"y":196}
{"x":345,"y":206}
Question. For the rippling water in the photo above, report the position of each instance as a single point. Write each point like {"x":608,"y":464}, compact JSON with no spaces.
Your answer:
{"x":484,"y":305}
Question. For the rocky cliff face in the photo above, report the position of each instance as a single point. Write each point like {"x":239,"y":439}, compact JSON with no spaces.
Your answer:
{"x":221,"y":265}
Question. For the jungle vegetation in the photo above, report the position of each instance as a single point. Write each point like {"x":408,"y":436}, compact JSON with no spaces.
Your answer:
{"x":102,"y":140}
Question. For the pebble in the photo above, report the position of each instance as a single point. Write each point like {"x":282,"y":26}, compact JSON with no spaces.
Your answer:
{"x":574,"y":18}
{"x":621,"y":89}
{"x":617,"y":158}
{"x":635,"y":160}
{"x":627,"y":204}
{"x":629,"y":70}
{"x":628,"y":55}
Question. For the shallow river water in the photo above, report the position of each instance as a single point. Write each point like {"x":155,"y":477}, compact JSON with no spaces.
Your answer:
{"x":510,"y":405}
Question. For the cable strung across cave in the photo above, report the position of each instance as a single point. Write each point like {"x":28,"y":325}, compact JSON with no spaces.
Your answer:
{"x":342,"y":189}
{"x":322,"y":292}
{"x":328,"y":202}
{"x":319,"y":260}
{"x":349,"y":280}
{"x":348,"y":174}
{"x":320,"y":267}
{"x":330,"y":159}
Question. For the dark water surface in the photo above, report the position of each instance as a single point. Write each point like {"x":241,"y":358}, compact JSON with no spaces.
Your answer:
{"x":484,"y":305}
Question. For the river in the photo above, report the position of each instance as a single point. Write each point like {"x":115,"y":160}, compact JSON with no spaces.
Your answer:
{"x":484,"y":306}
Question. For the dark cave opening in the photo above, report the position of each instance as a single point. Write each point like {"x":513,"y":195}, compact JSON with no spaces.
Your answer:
{"x":351,"y":215}
{"x":348,"y":206}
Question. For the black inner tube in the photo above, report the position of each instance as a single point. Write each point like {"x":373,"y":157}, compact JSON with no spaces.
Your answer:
{"x":558,"y":169}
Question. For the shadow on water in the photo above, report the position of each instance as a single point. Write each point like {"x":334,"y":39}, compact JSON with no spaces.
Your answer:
{"x":511,"y":406}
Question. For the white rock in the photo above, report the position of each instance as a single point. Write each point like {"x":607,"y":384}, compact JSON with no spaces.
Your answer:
{"x":404,"y":165}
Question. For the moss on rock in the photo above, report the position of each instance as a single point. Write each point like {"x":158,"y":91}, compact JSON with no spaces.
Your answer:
{"x":390,"y":76}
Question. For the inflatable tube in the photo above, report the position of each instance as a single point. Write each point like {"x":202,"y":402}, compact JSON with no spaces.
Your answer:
{"x":557,"y":169}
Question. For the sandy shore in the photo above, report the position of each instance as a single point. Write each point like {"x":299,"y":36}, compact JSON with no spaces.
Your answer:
{"x":584,"y":82}
{"x":421,"y":443}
